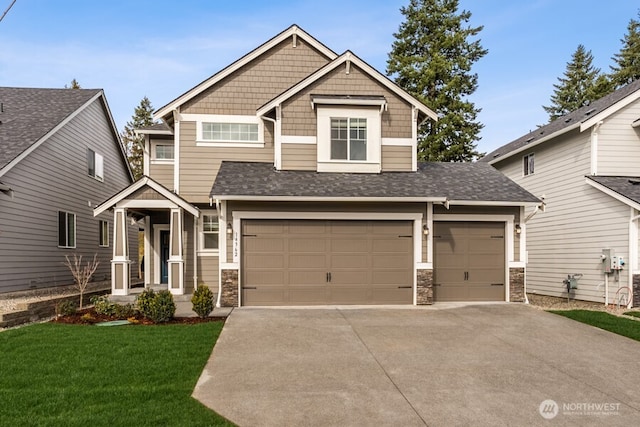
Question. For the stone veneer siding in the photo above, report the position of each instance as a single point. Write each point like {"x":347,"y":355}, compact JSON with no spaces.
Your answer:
{"x":229,"y":296}
{"x":516,"y":284}
{"x":424,"y":287}
{"x":636,"y":290}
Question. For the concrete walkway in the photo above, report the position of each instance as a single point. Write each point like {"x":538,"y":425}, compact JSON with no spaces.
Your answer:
{"x":444,"y":365}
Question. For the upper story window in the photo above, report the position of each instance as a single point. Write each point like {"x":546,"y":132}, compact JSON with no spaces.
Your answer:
{"x":162,"y":152}
{"x":95,"y":165}
{"x":528,"y":164}
{"x":348,"y":139}
{"x":66,"y":229}
{"x":104,"y":234}
{"x":214,"y":130}
{"x":209,"y":229}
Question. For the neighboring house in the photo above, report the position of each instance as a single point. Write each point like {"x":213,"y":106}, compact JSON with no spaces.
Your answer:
{"x":290,"y":178}
{"x":60,"y":155}
{"x":586,"y":166}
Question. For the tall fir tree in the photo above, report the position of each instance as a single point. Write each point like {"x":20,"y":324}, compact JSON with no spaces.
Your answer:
{"x":582,"y":83}
{"x":627,"y":68}
{"x":74,"y":85}
{"x":142,"y":117}
{"x":431,"y":58}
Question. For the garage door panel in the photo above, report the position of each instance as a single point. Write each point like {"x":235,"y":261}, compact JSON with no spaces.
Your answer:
{"x":349,"y":295}
{"x":482,"y":261}
{"x":264,"y":277}
{"x":267,"y":261}
{"x":390,"y":260}
{"x":347,"y":277}
{"x":396,"y":244}
{"x":358,"y":228}
{"x":399,"y":277}
{"x":350,"y":245}
{"x":307,"y":245}
{"x":307,"y":227}
{"x":349,"y":261}
{"x":486,"y":275}
{"x":486,"y":245}
{"x":263,"y":227}
{"x":308,"y":295}
{"x":264,"y":244}
{"x":392,"y":295}
{"x":305,"y":277}
{"x":263,"y":296}
{"x":306,"y":261}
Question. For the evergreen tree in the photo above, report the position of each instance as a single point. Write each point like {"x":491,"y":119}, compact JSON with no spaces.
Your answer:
{"x":134,"y":144}
{"x":627,"y":68}
{"x":74,"y":85}
{"x":431,"y":58}
{"x":581,"y":84}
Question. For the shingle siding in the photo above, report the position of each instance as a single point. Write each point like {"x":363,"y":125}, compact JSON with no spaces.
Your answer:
{"x":53,"y":178}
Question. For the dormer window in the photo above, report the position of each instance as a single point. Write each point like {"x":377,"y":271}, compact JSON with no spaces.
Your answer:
{"x":213,"y":130}
{"x":348,"y":139}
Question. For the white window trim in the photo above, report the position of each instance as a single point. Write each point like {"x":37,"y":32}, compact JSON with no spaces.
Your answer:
{"x":219,"y":118}
{"x":100,"y":243}
{"x":75,"y":230}
{"x":373,"y":163}
{"x":201,"y":249}
{"x":98,"y":166}
{"x":152,"y":155}
{"x":534,"y":164}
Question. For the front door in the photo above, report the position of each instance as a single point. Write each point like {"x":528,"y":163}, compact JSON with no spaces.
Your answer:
{"x":164,"y":256}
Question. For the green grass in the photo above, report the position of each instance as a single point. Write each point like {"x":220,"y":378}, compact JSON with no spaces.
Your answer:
{"x":632,"y":313}
{"x":72,"y":375}
{"x":618,"y":325}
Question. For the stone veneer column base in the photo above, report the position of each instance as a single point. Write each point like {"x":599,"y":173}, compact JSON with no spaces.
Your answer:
{"x":424,"y":287}
{"x":635,"y":298}
{"x":516,"y":284}
{"x":229,"y":296}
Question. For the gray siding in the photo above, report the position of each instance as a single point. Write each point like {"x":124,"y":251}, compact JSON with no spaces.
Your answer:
{"x":619,"y":143}
{"x":162,"y":173}
{"x":52,"y":178}
{"x":578,"y":223}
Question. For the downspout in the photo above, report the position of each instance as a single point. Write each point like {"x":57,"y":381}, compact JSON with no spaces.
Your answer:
{"x":217,"y":201}
{"x":276,"y":143}
{"x":633,"y":255}
{"x":195,"y":252}
{"x":594,"y":148}
{"x":538,"y":208}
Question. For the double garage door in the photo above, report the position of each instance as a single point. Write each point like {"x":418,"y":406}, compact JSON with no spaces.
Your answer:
{"x":296,"y":262}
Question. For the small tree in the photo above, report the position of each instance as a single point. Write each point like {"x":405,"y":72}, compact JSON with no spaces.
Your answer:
{"x":74,"y":85}
{"x":202,"y":301}
{"x":81,"y":273}
{"x":627,"y":61}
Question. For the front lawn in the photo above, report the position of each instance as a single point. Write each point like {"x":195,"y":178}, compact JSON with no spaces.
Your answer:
{"x":600,"y":319}
{"x":70,"y":375}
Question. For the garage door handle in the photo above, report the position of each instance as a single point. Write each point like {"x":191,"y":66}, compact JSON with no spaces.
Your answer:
{"x":437,"y":284}
{"x":497,"y":284}
{"x":249,"y":287}
{"x":405,"y":287}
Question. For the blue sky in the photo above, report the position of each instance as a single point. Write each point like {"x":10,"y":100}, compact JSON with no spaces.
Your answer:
{"x":160,"y":49}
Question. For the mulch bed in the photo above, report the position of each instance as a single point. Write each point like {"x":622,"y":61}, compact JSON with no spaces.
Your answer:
{"x":88,"y":316}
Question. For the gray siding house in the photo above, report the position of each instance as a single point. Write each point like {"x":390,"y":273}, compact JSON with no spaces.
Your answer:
{"x":290,"y":178}
{"x":586,"y":167}
{"x":60,"y":155}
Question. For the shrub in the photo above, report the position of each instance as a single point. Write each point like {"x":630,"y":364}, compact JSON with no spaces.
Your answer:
{"x":88,"y":318}
{"x":202,"y":301}
{"x":65,"y":308}
{"x":102,"y":305}
{"x":158,"y":307}
{"x":123,"y":311}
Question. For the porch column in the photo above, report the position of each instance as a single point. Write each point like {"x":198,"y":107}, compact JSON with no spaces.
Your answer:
{"x":120,"y":267}
{"x":176,"y":260}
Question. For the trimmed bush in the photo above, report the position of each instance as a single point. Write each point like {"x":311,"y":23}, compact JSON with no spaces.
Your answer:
{"x":202,"y":301}
{"x":65,"y":308}
{"x":158,"y":307}
{"x":102,"y":305}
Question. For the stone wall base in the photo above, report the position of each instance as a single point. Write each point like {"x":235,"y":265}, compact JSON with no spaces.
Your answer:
{"x":635,"y":298}
{"x":229,"y":295}
{"x":516,"y":284}
{"x":424,"y":287}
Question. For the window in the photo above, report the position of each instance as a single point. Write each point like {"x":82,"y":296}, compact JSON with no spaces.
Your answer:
{"x":527,"y":164}
{"x":210,"y":229}
{"x":104,"y":233}
{"x":230,"y":132}
{"x":95,"y":165}
{"x":66,"y":230}
{"x":163,"y":152}
{"x":348,"y":139}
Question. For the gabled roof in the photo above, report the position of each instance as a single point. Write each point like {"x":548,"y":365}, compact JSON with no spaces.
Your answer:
{"x":455,"y":183}
{"x":154,"y":185}
{"x":582,"y":118}
{"x":293,"y":30}
{"x":29,"y":116}
{"x":342,"y":59}
{"x":623,"y":188}
{"x":155,"y":129}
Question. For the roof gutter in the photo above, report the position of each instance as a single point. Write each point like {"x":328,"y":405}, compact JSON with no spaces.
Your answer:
{"x":538,"y":142}
{"x":442,"y":200}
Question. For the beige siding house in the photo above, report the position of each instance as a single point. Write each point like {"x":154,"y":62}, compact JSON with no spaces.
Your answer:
{"x":290,"y":178}
{"x":585,"y":166}
{"x":60,"y":155}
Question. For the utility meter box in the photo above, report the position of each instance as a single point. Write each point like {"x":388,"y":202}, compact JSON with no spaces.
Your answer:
{"x":617,"y":262}
{"x":606,"y":256}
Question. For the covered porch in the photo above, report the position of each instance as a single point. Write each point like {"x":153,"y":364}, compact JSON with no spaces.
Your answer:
{"x":167,"y":218}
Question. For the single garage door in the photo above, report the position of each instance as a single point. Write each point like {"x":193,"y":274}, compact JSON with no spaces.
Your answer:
{"x":469,"y":261}
{"x":295,"y":262}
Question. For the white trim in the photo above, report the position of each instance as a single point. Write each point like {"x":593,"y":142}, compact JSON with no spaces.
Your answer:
{"x":613,"y":194}
{"x":66,"y":222}
{"x":201,"y":249}
{"x":414,"y":138}
{"x":156,"y":251}
{"x":523,"y":237}
{"x":46,"y":136}
{"x":289,"y":32}
{"x":146,"y":156}
{"x":176,"y":153}
{"x":222,"y":233}
{"x":594,"y":148}
{"x":586,"y":124}
{"x":100,"y":233}
{"x":528,"y":156}
{"x":293,"y":139}
{"x":148,"y":235}
{"x":633,"y":252}
{"x":144,"y":203}
{"x":491,"y":203}
{"x":172,"y":197}
{"x":337,"y":199}
{"x":320,"y":100}
{"x":429,"y":224}
{"x":533,"y":144}
{"x":200,"y":119}
{"x":405,"y":142}
{"x":153,"y":132}
{"x":353,"y":59}
{"x":152,"y":154}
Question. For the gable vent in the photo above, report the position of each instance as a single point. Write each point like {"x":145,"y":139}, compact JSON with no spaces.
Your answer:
{"x":529,"y":139}
{"x":589,"y":111}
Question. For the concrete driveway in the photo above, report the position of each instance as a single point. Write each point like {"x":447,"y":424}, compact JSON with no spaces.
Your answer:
{"x":442,"y":365}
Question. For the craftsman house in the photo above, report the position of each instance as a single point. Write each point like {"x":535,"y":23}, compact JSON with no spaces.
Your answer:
{"x":290,"y":178}
{"x":60,"y":155}
{"x":586,"y":167}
